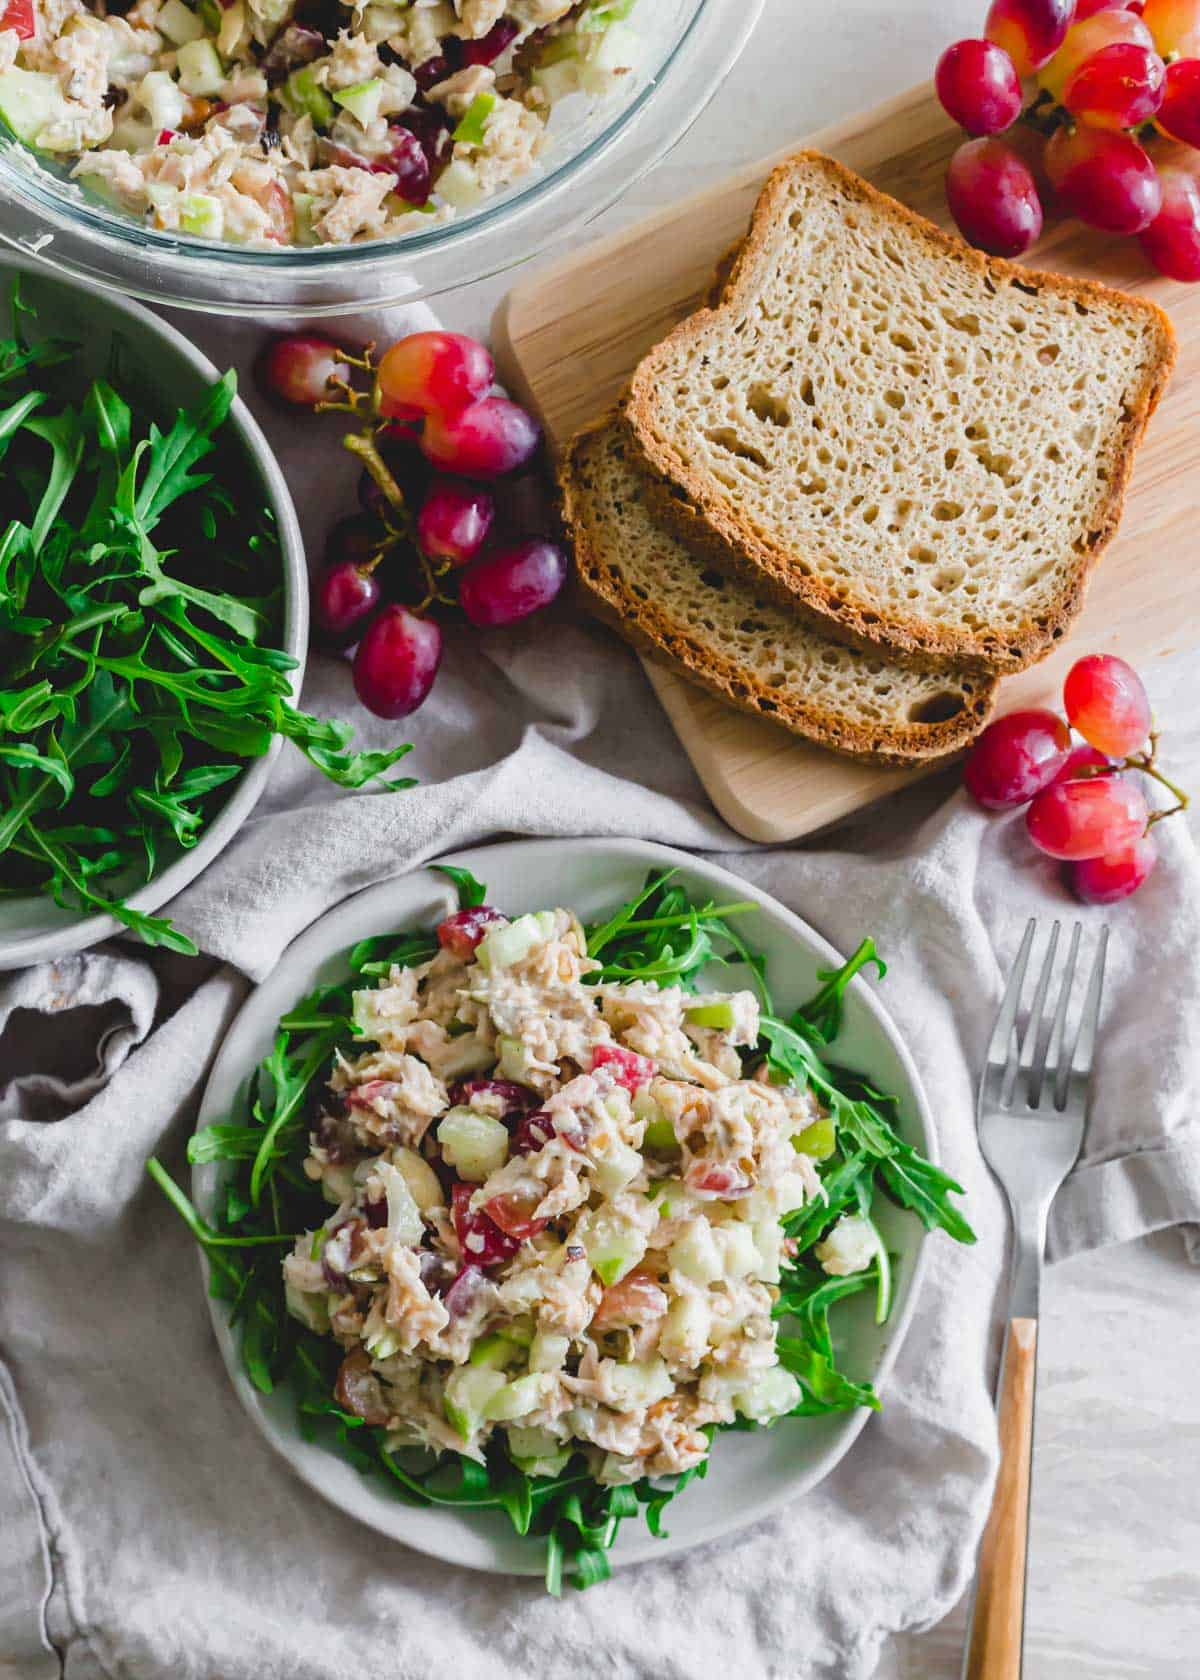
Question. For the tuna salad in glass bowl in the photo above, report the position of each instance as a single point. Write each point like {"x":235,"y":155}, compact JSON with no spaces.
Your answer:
{"x":323,"y":154}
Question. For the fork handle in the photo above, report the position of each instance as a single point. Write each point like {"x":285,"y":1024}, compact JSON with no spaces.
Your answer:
{"x":998,"y":1617}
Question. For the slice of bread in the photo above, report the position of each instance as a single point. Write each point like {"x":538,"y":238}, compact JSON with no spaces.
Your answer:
{"x":759,"y":656}
{"x":922,"y":447}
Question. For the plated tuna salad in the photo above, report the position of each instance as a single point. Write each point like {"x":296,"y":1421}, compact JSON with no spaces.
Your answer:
{"x":301,"y":122}
{"x":552,"y":1217}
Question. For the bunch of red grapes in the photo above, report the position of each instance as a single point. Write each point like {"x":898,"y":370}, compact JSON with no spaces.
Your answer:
{"x":455,"y":520}
{"x":1082,"y":805}
{"x":1106,"y":76}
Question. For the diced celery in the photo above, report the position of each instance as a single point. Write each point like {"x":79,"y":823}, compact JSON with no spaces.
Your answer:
{"x":468,"y":1390}
{"x":685,"y":1332}
{"x":514,"y":1060}
{"x":613,"y":1246}
{"x":695,"y":1253}
{"x":509,"y":942}
{"x":517,"y":1398}
{"x":30,"y":101}
{"x":536,"y":1451}
{"x":311,"y":1310}
{"x":660,"y":1137}
{"x":772,"y":1394}
{"x":619,"y":1167}
{"x":473,"y":1144}
{"x":548,"y":1352}
{"x":496,"y":1351}
{"x":178,"y":23}
{"x":423,"y":1183}
{"x":642,"y":1382}
{"x":473,"y":125}
{"x":304,"y":96}
{"x":201,"y":214}
{"x":717,"y":1014}
{"x":362,"y":100}
{"x":818,"y":1140}
{"x":384,"y":1343}
{"x":200,"y":70}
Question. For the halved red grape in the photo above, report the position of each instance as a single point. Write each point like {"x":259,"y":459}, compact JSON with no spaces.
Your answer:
{"x":487,"y":49}
{"x":298,"y":368}
{"x":513,"y":1098}
{"x":18,"y":15}
{"x":1087,"y":818}
{"x":1030,"y":31}
{"x":514,"y":1215}
{"x":626,"y":1066}
{"x":1084,"y":40}
{"x":1015,"y":757}
{"x":1083,"y":760}
{"x":534,"y":1132}
{"x":491,"y":437}
{"x":1088,"y":8}
{"x":510,"y":583}
{"x":637,"y":1300}
{"x":1105,"y":179}
{"x":482,"y":1241}
{"x":455,"y":519}
{"x":993,"y":197}
{"x":978,"y":86}
{"x":1119,"y":87}
{"x":396,"y":662}
{"x":1179,"y":115}
{"x":405,"y":159}
{"x":343,"y":601}
{"x":1175,"y":26}
{"x":461,"y":932}
{"x":1104,"y":880}
{"x":1107,"y":703}
{"x":433,"y":130}
{"x":435,"y":373}
{"x":1172,"y":241}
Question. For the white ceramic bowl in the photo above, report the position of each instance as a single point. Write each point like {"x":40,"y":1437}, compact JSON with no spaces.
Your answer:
{"x":173,"y":374}
{"x":751,"y":1473}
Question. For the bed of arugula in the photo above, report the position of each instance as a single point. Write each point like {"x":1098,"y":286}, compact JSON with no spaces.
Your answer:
{"x":662,"y":935}
{"x":138,"y":602}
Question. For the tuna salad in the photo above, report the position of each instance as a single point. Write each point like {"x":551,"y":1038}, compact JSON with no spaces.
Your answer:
{"x":525,"y":1215}
{"x":301,"y":122}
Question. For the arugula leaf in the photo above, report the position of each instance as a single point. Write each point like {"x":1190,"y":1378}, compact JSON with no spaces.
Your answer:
{"x":470,"y":891}
{"x":822,"y":1014}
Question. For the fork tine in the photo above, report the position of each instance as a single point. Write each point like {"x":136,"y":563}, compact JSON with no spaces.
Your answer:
{"x":1050,"y":1063}
{"x":1080,"y":1060}
{"x":998,"y":1045}
{"x":1033,"y":1032}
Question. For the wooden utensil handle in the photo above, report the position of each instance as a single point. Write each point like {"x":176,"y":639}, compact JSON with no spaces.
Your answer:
{"x":999,"y":1615}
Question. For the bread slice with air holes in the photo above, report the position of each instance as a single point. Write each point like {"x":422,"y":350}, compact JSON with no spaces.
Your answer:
{"x":755,"y":654}
{"x":923,"y":448}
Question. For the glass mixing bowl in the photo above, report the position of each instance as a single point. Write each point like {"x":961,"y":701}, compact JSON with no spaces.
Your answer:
{"x":593,"y":154}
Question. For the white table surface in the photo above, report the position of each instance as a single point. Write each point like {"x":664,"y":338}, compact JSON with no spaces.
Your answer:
{"x":1114,"y":1587}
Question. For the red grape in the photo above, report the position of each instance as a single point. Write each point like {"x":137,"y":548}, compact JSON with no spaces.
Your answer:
{"x":1107,"y":703}
{"x":481,"y":1240}
{"x":1088,"y":8}
{"x":514,"y":1215}
{"x":18,"y":15}
{"x":355,"y":538}
{"x":510,"y":583}
{"x":487,"y":49}
{"x":516,"y":1099}
{"x":993,"y":197}
{"x":1104,"y":880}
{"x":396,"y":662}
{"x":1175,"y":26}
{"x":1083,"y":758}
{"x":1105,"y":179}
{"x":432,"y":128}
{"x":1118,"y":87}
{"x":1179,"y":115}
{"x":534,"y":1132}
{"x":1030,"y":31}
{"x":1102,"y":29}
{"x":1172,"y":241}
{"x":461,"y":932}
{"x":978,"y":86}
{"x":454,"y":521}
{"x":626,"y":1066}
{"x":491,"y":437}
{"x":1016,"y":757}
{"x":434,"y":373}
{"x":1087,"y":818}
{"x":298,"y":367}
{"x":406,"y":160}
{"x":344,"y":599}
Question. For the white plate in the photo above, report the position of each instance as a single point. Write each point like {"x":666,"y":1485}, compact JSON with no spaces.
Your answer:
{"x":751,"y":1473}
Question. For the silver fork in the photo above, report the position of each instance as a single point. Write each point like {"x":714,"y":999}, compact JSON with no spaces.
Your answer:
{"x":1033,"y":1099}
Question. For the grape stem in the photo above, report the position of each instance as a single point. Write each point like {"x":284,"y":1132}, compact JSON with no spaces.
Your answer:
{"x":1146,"y":762}
{"x":362,"y":444}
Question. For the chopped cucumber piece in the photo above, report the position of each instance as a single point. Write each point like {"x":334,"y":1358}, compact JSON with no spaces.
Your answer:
{"x":496,"y":1351}
{"x":818,"y":1140}
{"x":201,"y":214}
{"x":200,"y":70}
{"x":468,"y":1390}
{"x":30,"y":100}
{"x":305,"y":97}
{"x":517,"y":1398}
{"x":474,"y":1144}
{"x":717,"y":1014}
{"x":311,"y":1310}
{"x":362,"y":100}
{"x":179,"y":23}
{"x":509,"y":942}
{"x":695,"y":1254}
{"x":473,"y":126}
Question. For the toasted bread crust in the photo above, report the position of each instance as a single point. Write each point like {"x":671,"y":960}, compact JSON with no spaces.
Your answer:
{"x":648,"y":629}
{"x":685,"y":502}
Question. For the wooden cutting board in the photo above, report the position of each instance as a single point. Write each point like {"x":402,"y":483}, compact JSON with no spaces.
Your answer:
{"x":569,"y":338}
